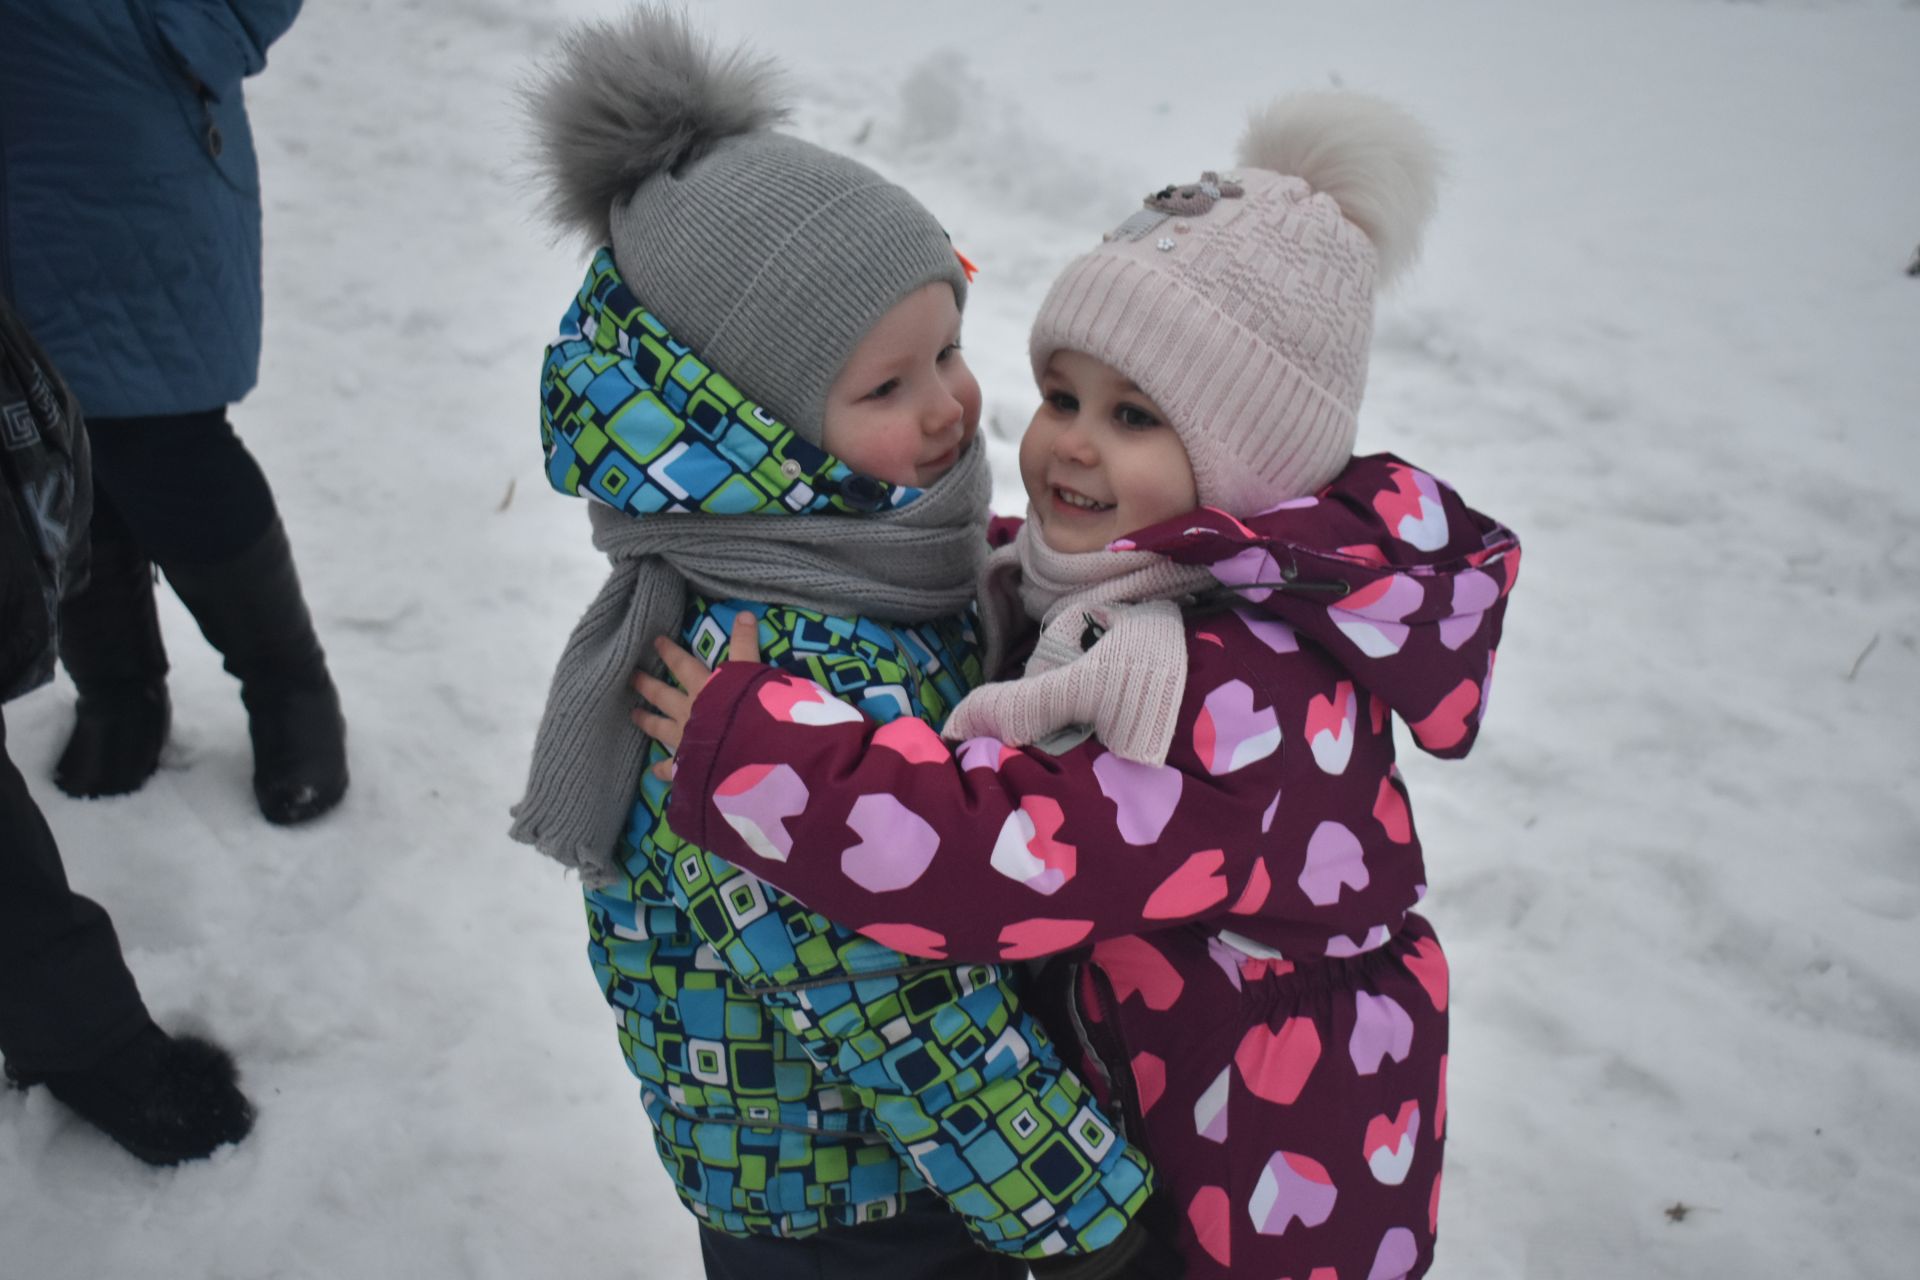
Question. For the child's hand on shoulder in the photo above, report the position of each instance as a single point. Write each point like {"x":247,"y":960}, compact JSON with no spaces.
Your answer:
{"x":668,"y":708}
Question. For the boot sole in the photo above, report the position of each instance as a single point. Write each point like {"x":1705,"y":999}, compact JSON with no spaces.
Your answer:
{"x":101,"y":792}
{"x":120,"y":785}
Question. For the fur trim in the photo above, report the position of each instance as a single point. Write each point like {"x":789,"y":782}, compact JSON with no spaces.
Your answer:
{"x":626,"y":98}
{"x":1376,"y":161}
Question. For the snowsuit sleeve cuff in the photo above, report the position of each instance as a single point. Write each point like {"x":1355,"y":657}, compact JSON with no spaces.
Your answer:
{"x":698,"y":758}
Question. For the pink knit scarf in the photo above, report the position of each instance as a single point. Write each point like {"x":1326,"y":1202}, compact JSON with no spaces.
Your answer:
{"x":1112,"y":652}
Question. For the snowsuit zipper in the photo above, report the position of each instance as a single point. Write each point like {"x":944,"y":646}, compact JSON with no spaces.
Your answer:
{"x":898,"y":971}
{"x":1099,"y":1038}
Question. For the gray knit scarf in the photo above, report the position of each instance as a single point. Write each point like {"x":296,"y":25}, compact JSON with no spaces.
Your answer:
{"x":911,"y":564}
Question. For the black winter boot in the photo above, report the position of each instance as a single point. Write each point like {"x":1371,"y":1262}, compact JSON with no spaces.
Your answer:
{"x":110,"y":643}
{"x":252,"y":611}
{"x":164,"y":1098}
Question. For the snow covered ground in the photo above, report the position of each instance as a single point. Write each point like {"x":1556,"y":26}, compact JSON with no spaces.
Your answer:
{"x":1662,"y":329}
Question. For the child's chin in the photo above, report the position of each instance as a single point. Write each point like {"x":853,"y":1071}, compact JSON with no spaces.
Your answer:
{"x":1070,"y":541}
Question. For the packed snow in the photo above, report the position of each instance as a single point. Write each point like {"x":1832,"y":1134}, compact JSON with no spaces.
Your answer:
{"x":1662,"y":328}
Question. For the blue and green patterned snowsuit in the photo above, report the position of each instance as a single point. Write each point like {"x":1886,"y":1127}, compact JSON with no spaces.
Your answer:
{"x":798,"y":1075}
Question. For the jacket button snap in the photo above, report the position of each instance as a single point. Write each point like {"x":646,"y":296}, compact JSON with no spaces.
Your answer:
{"x":791,"y":468}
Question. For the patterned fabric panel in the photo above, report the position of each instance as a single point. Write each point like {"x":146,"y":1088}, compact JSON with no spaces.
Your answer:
{"x":636,"y":420}
{"x":809,"y":1025}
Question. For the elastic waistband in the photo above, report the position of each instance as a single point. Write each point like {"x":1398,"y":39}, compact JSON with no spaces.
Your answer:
{"x":1313,"y":983}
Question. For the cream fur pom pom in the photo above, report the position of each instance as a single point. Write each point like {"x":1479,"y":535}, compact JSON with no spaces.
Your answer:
{"x":1376,"y":161}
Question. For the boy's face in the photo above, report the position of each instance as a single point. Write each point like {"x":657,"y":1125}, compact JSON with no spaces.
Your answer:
{"x":906,"y":405}
{"x":1099,"y":459}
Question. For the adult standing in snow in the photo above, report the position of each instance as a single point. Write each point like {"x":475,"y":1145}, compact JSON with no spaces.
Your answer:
{"x":70,"y":1015}
{"x":130,"y":217}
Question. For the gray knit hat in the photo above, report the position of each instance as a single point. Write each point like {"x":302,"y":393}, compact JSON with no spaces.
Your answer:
{"x":769,"y":256}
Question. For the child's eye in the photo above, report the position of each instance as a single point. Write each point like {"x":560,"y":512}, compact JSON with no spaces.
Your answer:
{"x":1062,"y":402}
{"x":1135,"y":418}
{"x":952,"y":348}
{"x":884,"y":390}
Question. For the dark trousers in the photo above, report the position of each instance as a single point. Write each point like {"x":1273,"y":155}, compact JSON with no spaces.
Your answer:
{"x":66,"y":998}
{"x":183,"y":486}
{"x":924,"y":1242}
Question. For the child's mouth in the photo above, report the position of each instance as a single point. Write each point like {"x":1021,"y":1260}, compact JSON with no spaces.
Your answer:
{"x":1067,"y":499}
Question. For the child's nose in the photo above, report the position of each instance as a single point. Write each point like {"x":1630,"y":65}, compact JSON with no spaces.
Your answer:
{"x":943,"y":410}
{"x":1074,"y":443}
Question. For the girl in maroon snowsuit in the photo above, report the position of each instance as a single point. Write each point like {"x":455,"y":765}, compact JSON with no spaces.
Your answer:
{"x":1190,"y":793}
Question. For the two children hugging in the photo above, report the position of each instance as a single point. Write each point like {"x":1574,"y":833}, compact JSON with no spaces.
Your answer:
{"x":1183,"y":787}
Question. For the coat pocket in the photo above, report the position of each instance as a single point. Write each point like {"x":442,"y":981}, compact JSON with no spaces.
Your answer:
{"x":205,"y":53}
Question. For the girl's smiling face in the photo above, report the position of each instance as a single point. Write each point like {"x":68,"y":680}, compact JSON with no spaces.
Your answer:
{"x":906,"y":405}
{"x":1099,"y":459}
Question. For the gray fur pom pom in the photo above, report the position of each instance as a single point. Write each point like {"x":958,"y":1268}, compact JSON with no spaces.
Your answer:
{"x":1377,"y":163}
{"x":626,"y":98}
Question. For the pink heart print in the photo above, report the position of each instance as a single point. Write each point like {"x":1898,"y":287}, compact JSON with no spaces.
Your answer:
{"x":1398,"y":1252}
{"x":795,"y":701}
{"x":1231,"y":732}
{"x":912,"y":740}
{"x":1253,"y":571}
{"x":756,"y":801}
{"x":1031,"y":939}
{"x":1330,"y":727}
{"x":1196,"y":886}
{"x":1428,"y":964}
{"x":1136,"y":965}
{"x":1412,"y":509}
{"x":1390,"y":811}
{"x":896,"y":844}
{"x":1335,"y":861}
{"x":1277,"y":1063}
{"x":1473,"y":594}
{"x":1447,"y":724}
{"x":1370,"y":617}
{"x":1381,"y":1030}
{"x":1027,"y":851}
{"x":1144,"y":795}
{"x":1389,"y":1142}
{"x":1291,"y":1188}
{"x":909,"y":939}
{"x":1212,"y":1219}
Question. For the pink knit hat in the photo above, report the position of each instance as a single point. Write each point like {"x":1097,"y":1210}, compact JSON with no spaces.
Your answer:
{"x":1243,"y":303}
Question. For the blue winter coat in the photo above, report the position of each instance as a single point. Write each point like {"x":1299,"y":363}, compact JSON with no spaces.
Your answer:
{"x":130,"y":196}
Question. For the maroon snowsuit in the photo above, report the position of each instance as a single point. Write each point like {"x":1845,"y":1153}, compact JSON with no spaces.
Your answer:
{"x":1247,"y":977}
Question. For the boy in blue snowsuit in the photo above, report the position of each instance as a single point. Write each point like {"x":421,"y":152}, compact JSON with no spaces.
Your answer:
{"x":760,"y":388}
